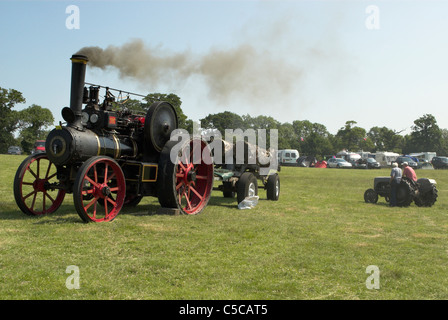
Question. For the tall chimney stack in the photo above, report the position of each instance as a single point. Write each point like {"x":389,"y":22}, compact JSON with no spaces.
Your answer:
{"x":79,"y":63}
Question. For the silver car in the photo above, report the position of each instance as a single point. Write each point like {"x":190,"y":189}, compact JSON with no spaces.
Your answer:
{"x":14,"y":150}
{"x":338,"y":163}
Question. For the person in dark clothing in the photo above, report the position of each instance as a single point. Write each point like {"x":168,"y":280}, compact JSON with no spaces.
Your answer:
{"x":395,"y":178}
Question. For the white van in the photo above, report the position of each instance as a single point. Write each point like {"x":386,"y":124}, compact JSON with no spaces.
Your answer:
{"x":386,"y":158}
{"x":348,"y":156}
{"x":288,"y":157}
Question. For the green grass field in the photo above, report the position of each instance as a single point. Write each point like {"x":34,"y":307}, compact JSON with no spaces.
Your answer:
{"x":314,"y":243}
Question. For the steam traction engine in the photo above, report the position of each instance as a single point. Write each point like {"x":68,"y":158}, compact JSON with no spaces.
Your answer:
{"x":109,"y":159}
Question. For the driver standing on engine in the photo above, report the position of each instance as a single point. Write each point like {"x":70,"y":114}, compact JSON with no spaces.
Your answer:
{"x":395,"y":178}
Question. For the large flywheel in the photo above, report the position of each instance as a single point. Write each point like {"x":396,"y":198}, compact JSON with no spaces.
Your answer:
{"x":185,"y":178}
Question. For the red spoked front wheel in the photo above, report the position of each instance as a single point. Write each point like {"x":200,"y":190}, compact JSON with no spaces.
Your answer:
{"x":185,"y":178}
{"x":34,"y":186}
{"x":99,"y":190}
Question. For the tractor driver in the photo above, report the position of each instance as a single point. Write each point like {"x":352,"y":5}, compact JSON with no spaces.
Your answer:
{"x":395,"y":178}
{"x":409,"y":172}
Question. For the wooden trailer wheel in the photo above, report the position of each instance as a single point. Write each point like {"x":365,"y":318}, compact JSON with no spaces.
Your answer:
{"x":99,"y":190}
{"x":185,"y":182}
{"x":32,"y":186}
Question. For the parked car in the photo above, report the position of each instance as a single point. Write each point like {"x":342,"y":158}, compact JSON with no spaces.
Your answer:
{"x":338,"y":163}
{"x":14,"y":150}
{"x":373,"y":164}
{"x":359,"y":163}
{"x":410,"y":162}
{"x":439,"y":162}
{"x":367,"y":163}
{"x":306,"y":161}
{"x":39,"y":147}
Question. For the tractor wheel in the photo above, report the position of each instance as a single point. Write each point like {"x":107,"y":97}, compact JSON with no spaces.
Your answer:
{"x":99,"y":180}
{"x":185,"y":181}
{"x":370,"y":196}
{"x":247,"y":186}
{"x":32,"y":186}
{"x":427,"y":199}
{"x":228,"y":191}
{"x":273,"y":187}
{"x":405,"y":193}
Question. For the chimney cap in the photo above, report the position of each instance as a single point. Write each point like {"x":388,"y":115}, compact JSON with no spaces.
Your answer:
{"x":79,"y":58}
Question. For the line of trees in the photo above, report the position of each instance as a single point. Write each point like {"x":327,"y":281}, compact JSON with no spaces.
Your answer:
{"x":307,"y":137}
{"x":31,"y":123}
{"x":314,"y":139}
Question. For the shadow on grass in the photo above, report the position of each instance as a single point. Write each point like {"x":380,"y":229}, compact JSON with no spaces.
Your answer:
{"x":383,"y":204}
{"x":141,"y":210}
{"x":221,"y":201}
{"x":66,"y":213}
{"x":154,"y":209}
{"x":61,"y":215}
{"x":232,"y":203}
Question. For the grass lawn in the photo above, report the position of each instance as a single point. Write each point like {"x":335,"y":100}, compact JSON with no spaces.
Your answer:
{"x":314,"y":243}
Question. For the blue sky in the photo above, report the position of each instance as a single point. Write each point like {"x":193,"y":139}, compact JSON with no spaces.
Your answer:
{"x":331,"y":67}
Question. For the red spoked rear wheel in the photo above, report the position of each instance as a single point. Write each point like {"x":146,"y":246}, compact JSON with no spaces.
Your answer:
{"x":185,"y":178}
{"x":34,"y":184}
{"x":99,"y":190}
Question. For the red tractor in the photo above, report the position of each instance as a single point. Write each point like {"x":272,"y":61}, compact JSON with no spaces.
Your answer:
{"x":39,"y":147}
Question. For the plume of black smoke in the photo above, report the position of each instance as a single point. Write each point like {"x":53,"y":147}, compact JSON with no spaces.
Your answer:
{"x":240,"y":72}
